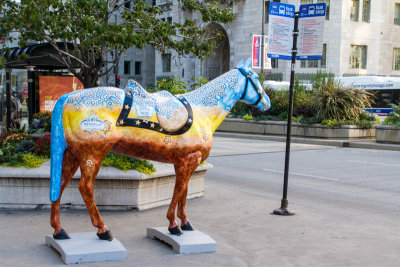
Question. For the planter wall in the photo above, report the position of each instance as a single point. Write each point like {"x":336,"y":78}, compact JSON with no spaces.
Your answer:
{"x":114,"y":189}
{"x":387,"y":134}
{"x":302,"y":130}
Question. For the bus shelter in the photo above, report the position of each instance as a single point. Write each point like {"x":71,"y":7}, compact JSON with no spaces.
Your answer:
{"x":20,"y":81}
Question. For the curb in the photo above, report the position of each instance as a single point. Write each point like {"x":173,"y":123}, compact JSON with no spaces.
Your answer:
{"x":358,"y":143}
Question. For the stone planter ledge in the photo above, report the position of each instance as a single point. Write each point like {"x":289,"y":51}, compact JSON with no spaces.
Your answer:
{"x":114,"y":189}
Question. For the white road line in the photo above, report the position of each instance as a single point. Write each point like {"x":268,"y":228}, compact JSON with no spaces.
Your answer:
{"x":305,"y":175}
{"x":375,"y":163}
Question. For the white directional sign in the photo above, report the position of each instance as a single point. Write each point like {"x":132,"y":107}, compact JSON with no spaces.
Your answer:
{"x":311,"y":31}
{"x":280,"y":30}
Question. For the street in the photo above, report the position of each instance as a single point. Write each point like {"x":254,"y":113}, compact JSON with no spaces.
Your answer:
{"x":346,"y":203}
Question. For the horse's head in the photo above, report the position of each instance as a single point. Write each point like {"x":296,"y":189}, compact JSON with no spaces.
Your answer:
{"x":253,"y":93}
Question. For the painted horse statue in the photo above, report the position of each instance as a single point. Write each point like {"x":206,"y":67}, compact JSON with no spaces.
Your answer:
{"x":87,"y":124}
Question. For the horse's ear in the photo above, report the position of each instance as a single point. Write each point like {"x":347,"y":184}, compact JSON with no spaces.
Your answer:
{"x":240,"y":64}
{"x":248,"y":63}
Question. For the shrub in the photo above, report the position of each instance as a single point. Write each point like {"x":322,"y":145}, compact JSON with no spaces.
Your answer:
{"x":173,"y":85}
{"x":333,"y":102}
{"x":248,"y":117}
{"x":127,"y":163}
{"x":27,"y":160}
{"x":41,"y":122}
{"x":394,"y":117}
{"x":42,"y":146}
{"x":25,"y":146}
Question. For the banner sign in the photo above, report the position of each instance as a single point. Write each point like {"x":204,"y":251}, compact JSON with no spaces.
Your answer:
{"x":267,"y":60}
{"x":311,"y":31}
{"x":280,"y":30}
{"x":51,"y":88}
{"x":256,"y":52}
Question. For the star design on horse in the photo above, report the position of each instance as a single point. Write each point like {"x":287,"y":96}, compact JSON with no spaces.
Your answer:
{"x":190,"y":120}
{"x":121,"y":122}
{"x":137,"y":122}
{"x":152,"y":125}
{"x":127,"y":107}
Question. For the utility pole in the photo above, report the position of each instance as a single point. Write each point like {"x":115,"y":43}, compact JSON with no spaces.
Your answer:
{"x":262,"y":35}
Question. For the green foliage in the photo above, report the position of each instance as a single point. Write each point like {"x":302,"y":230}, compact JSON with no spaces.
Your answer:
{"x":364,"y":124}
{"x":198,"y":82}
{"x":394,"y":117}
{"x":26,"y":160}
{"x":93,"y":31}
{"x":25,"y":146}
{"x":240,"y":109}
{"x":127,"y":163}
{"x":248,"y":117}
{"x":333,"y":102}
{"x":174,"y":85}
{"x":322,"y":78}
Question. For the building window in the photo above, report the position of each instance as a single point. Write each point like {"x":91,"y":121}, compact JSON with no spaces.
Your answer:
{"x":169,"y":20}
{"x":397,"y":14}
{"x":127,"y":67}
{"x":396,"y":58}
{"x":327,"y":2}
{"x":306,"y":2}
{"x":127,"y":5}
{"x":267,"y":9}
{"x":355,"y":5}
{"x":274,"y":63}
{"x":366,"y":10}
{"x":315,"y":63}
{"x":138,"y":68}
{"x":358,"y":56}
{"x":166,"y":62}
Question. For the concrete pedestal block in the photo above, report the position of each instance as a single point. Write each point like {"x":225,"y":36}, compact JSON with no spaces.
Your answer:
{"x":87,"y":247}
{"x":191,"y":242}
{"x":387,"y":134}
{"x":114,"y":189}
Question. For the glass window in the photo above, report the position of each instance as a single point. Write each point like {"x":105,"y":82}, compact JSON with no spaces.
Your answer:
{"x":127,"y":4}
{"x":397,"y":14}
{"x":358,"y":56}
{"x":396,"y":58}
{"x":366,"y":10}
{"x":355,"y":4}
{"x":138,"y":68}
{"x":166,"y":62}
{"x":274,"y":63}
{"x":306,"y":2}
{"x":267,"y":9}
{"x":127,"y":67}
{"x":169,"y":20}
{"x":327,"y":2}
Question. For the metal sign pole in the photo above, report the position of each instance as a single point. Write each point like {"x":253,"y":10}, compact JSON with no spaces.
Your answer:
{"x":283,"y":210}
{"x":262,"y":36}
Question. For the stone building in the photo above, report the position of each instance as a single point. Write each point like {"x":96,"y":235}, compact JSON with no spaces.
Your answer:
{"x":361,"y":37}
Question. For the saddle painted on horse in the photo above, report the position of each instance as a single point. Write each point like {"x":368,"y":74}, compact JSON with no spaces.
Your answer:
{"x":161,"y":112}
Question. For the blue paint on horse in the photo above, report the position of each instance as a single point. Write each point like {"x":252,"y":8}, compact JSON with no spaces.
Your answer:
{"x":58,"y":146}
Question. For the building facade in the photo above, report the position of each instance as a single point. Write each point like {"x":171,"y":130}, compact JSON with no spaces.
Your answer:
{"x":361,"y":37}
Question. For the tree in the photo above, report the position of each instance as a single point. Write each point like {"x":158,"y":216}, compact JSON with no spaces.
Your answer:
{"x":88,"y":30}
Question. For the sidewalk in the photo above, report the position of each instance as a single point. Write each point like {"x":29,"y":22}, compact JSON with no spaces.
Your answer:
{"x":353,"y":143}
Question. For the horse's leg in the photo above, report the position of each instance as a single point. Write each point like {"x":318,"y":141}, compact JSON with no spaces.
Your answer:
{"x":181,"y":212}
{"x":89,"y":169}
{"x":184,"y":169}
{"x":69,"y":167}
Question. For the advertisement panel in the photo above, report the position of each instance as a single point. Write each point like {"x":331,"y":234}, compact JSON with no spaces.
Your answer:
{"x":256,"y":52}
{"x":280,"y":30}
{"x":267,"y":60}
{"x":311,"y":31}
{"x":51,"y":88}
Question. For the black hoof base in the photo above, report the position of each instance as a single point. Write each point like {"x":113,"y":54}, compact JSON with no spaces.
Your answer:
{"x":106,"y":236}
{"x":61,"y":235}
{"x":175,"y":231}
{"x":187,"y":227}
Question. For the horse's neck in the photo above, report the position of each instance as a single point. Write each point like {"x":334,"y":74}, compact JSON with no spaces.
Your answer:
{"x":217,"y":97}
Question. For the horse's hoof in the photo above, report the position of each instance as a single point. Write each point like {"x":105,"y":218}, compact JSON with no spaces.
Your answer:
{"x":175,"y":231}
{"x":61,"y":235}
{"x":106,"y":236}
{"x":187,"y":227}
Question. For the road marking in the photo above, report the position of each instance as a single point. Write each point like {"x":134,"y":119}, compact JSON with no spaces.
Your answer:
{"x":305,"y":175}
{"x":376,"y":163}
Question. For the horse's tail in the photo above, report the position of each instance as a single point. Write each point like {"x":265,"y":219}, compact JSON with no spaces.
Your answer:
{"x":58,"y":146}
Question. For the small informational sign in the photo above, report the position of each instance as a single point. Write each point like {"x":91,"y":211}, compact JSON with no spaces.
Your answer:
{"x":311,"y":31}
{"x":280,"y":30}
{"x":51,"y":88}
{"x":256,"y":51}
